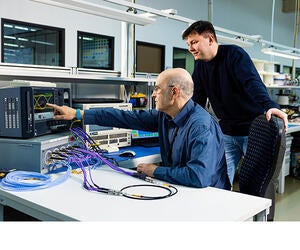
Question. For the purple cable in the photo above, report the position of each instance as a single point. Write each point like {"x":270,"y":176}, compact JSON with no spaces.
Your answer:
{"x":82,"y":135}
{"x":79,"y":161}
{"x":107,"y":162}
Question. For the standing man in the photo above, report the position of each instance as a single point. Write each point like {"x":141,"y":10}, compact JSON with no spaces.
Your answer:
{"x":191,"y":141}
{"x":226,"y":75}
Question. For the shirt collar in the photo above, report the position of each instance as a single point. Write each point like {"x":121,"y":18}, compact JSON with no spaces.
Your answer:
{"x":180,"y":118}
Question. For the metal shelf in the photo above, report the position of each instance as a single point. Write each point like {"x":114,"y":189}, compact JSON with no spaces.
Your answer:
{"x":282,"y":87}
{"x":9,"y":72}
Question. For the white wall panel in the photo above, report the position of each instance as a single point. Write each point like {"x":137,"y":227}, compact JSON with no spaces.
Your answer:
{"x":250,"y":17}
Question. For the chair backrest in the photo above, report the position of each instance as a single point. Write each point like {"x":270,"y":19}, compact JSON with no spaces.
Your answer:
{"x":262,"y":163}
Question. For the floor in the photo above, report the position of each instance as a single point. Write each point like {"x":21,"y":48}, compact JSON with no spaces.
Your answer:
{"x":288,"y":204}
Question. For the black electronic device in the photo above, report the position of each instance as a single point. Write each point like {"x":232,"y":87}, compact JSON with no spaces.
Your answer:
{"x":24,"y":113}
{"x":144,"y":138}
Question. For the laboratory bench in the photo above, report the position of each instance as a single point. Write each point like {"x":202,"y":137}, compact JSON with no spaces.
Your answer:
{"x":69,"y":201}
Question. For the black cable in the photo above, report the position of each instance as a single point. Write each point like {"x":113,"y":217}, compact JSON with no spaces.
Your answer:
{"x":77,"y":155}
{"x":144,"y":197}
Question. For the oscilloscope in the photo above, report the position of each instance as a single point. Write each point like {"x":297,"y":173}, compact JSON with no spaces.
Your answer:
{"x":24,"y":113}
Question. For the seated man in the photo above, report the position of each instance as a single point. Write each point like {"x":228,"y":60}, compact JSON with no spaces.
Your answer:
{"x":191,"y":141}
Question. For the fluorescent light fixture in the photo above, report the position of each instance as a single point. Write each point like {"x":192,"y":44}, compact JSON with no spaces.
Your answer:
{"x":234,"y":40}
{"x":281,"y":53}
{"x":8,"y":26}
{"x":99,"y":10}
{"x":11,"y":45}
{"x":21,"y":28}
{"x":10,"y":37}
{"x":22,"y":39}
{"x":87,"y":38}
{"x":42,"y":42}
{"x":9,"y":54}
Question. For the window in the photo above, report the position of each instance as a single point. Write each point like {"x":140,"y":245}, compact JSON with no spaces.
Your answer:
{"x":27,"y":43}
{"x":277,"y":67}
{"x":297,"y":72}
{"x":95,"y":51}
{"x":182,"y":58}
{"x":287,"y":69}
{"x":150,"y":58}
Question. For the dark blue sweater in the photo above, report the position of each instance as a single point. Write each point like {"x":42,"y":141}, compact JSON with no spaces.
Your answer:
{"x":234,"y":88}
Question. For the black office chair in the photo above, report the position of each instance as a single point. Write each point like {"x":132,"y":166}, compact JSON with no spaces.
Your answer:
{"x":261,"y":166}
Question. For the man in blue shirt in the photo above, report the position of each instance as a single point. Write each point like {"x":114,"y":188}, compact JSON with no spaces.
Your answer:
{"x":227,"y":77}
{"x":191,"y":141}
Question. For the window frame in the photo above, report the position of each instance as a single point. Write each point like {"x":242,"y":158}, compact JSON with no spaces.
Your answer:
{"x":112,"y":45}
{"x":61,"y":43}
{"x":154,"y":46}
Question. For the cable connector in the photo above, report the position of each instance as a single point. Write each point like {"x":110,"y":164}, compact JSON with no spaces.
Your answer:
{"x":114,"y":192}
{"x":149,"y":179}
{"x":144,"y":177}
{"x":4,"y":172}
{"x":139,"y":175}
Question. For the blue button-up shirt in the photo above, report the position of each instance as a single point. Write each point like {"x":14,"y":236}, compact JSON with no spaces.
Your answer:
{"x":193,"y":138}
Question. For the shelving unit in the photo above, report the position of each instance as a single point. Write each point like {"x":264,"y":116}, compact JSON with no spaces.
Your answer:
{"x":78,"y":78}
{"x":265,"y":70}
{"x":9,"y":72}
{"x":283,"y":87}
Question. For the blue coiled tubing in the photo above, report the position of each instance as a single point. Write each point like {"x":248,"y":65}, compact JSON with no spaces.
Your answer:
{"x":27,"y":181}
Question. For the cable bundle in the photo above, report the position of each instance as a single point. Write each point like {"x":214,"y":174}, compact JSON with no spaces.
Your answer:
{"x":88,"y":183}
{"x":87,"y":156}
{"x":28,"y":181}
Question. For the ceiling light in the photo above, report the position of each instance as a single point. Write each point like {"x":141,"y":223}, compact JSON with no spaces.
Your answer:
{"x":99,"y":10}
{"x":10,"y":37}
{"x":8,"y":25}
{"x":21,"y":27}
{"x":11,"y":45}
{"x":22,"y":39}
{"x":42,"y":42}
{"x":281,"y":53}
{"x":233,"y":40}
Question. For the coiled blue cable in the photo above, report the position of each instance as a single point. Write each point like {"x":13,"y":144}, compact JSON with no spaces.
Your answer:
{"x":28,"y":181}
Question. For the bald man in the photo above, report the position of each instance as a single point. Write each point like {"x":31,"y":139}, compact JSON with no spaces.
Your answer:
{"x":191,"y":141}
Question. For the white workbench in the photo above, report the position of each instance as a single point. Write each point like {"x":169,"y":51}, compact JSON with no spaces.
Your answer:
{"x":69,"y":201}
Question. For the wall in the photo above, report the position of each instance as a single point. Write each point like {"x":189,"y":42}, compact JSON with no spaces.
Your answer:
{"x":249,"y":17}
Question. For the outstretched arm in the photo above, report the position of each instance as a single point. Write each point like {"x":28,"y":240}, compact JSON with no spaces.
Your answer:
{"x":64,"y":112}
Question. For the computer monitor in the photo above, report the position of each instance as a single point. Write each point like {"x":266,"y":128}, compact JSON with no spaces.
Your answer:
{"x":144,"y":138}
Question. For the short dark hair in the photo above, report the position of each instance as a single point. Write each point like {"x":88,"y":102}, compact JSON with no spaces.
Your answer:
{"x":199,"y":27}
